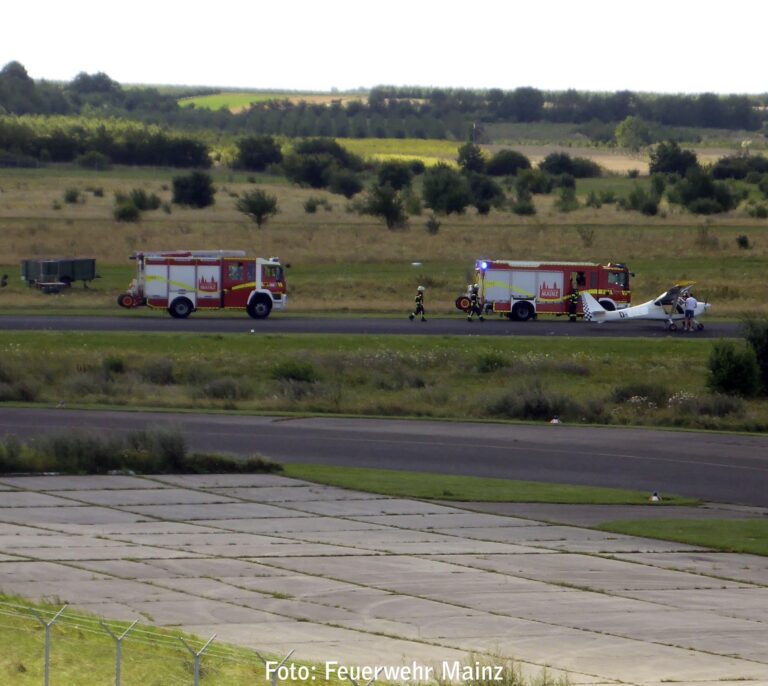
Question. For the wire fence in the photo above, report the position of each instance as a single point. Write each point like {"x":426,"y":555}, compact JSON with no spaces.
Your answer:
{"x":65,"y":648}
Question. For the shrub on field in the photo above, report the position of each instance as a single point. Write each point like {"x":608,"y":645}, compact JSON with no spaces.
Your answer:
{"x":87,"y":383}
{"x":755,"y":332}
{"x":716,"y":405}
{"x":295,"y":370}
{"x":524,"y":208}
{"x":534,"y":181}
{"x":758,"y":212}
{"x":72,"y":196}
{"x":143,"y":200}
{"x":126,"y":212}
{"x":345,"y":182}
{"x":566,"y":200}
{"x":490,"y":362}
{"x":313,"y":202}
{"x":7,"y":374}
{"x":743,"y":240}
{"x":507,"y":163}
{"x":432,"y":225}
{"x":224,"y":388}
{"x":111,"y":365}
{"x":532,"y":402}
{"x":733,"y":370}
{"x":158,"y":371}
{"x":194,"y":190}
{"x":653,"y":392}
{"x":155,"y":451}
{"x":396,"y":173}
{"x":19,"y":391}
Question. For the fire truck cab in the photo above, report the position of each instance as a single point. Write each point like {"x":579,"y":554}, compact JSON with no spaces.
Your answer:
{"x":185,"y":281}
{"x":522,"y":290}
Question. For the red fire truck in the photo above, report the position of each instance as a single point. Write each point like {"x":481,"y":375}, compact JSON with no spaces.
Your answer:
{"x":523,"y":290}
{"x":183,"y":281}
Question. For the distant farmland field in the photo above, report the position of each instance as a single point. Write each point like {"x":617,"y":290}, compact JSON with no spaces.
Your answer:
{"x":237,"y":101}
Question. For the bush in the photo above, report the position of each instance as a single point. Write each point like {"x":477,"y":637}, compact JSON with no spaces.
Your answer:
{"x":490,"y":362}
{"x":126,"y":211}
{"x":507,"y":163}
{"x":445,"y":190}
{"x":224,"y":388}
{"x":524,"y":208}
{"x":143,"y":200}
{"x":654,"y":393}
{"x":397,"y":174}
{"x":534,"y":181}
{"x":194,"y":190}
{"x":567,"y":202}
{"x":733,"y":370}
{"x":531,"y":402}
{"x":743,"y":242}
{"x":295,"y":370}
{"x":72,"y":196}
{"x":312,"y":203}
{"x":345,"y":182}
{"x":146,"y":452}
{"x":755,"y":332}
{"x":158,"y":371}
{"x":432,"y":224}
{"x":758,"y":212}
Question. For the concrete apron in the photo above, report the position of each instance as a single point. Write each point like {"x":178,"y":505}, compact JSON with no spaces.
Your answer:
{"x":358,"y":579}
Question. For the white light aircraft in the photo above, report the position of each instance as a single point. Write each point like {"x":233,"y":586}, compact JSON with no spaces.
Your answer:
{"x":668,"y":307}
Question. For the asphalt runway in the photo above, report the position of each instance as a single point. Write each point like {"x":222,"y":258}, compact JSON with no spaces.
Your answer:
{"x":715,"y":467}
{"x":286,"y":324}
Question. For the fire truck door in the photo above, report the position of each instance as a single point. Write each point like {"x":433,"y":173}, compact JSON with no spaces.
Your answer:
{"x":239,"y":277}
{"x":181,"y":282}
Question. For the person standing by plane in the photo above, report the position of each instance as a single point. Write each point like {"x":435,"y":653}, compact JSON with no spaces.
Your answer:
{"x":419,"y":300}
{"x":690,"y":310}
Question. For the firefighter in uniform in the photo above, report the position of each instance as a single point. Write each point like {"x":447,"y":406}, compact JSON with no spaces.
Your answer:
{"x":419,"y":300}
{"x":573,"y":303}
{"x":474,"y":303}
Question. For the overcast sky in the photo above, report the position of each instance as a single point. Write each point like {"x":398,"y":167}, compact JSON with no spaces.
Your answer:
{"x":669,"y":46}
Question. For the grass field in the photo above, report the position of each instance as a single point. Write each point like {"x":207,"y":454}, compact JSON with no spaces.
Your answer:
{"x":602,"y":381}
{"x":343,"y":261}
{"x":727,"y":535}
{"x":237,"y":101}
{"x":464,"y":488}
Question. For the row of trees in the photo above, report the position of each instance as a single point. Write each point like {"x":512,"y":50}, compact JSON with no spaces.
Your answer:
{"x":66,"y":140}
{"x":390,"y":112}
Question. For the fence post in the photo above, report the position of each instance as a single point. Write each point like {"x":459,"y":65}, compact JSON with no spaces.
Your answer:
{"x":47,"y":626}
{"x":274,"y":672}
{"x":197,"y":655}
{"x":119,"y":650}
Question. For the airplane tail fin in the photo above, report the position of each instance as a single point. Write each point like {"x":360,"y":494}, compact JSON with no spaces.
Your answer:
{"x":593,"y":310}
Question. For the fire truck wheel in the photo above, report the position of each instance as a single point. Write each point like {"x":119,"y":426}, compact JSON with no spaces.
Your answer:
{"x":462,"y":303}
{"x":259,"y":307}
{"x":180,"y":308}
{"x":125,"y":300}
{"x":522,"y":312}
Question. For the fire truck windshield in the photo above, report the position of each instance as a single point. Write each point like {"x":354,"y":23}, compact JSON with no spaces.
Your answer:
{"x":620,"y":279}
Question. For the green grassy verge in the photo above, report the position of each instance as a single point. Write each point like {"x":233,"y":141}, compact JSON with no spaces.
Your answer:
{"x":585,"y":381}
{"x":83,"y":653}
{"x":728,"y":535}
{"x":468,"y":488}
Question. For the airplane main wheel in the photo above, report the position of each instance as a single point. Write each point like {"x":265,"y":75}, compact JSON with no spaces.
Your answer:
{"x":672,"y":327}
{"x":699,"y":327}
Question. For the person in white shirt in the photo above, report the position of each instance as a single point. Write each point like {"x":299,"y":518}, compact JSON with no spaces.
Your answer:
{"x":690,"y":310}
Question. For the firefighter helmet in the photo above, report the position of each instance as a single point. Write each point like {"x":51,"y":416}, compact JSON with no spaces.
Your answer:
{"x":420,"y":289}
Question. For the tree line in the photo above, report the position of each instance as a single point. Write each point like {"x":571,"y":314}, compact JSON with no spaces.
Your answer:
{"x":388,"y":111}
